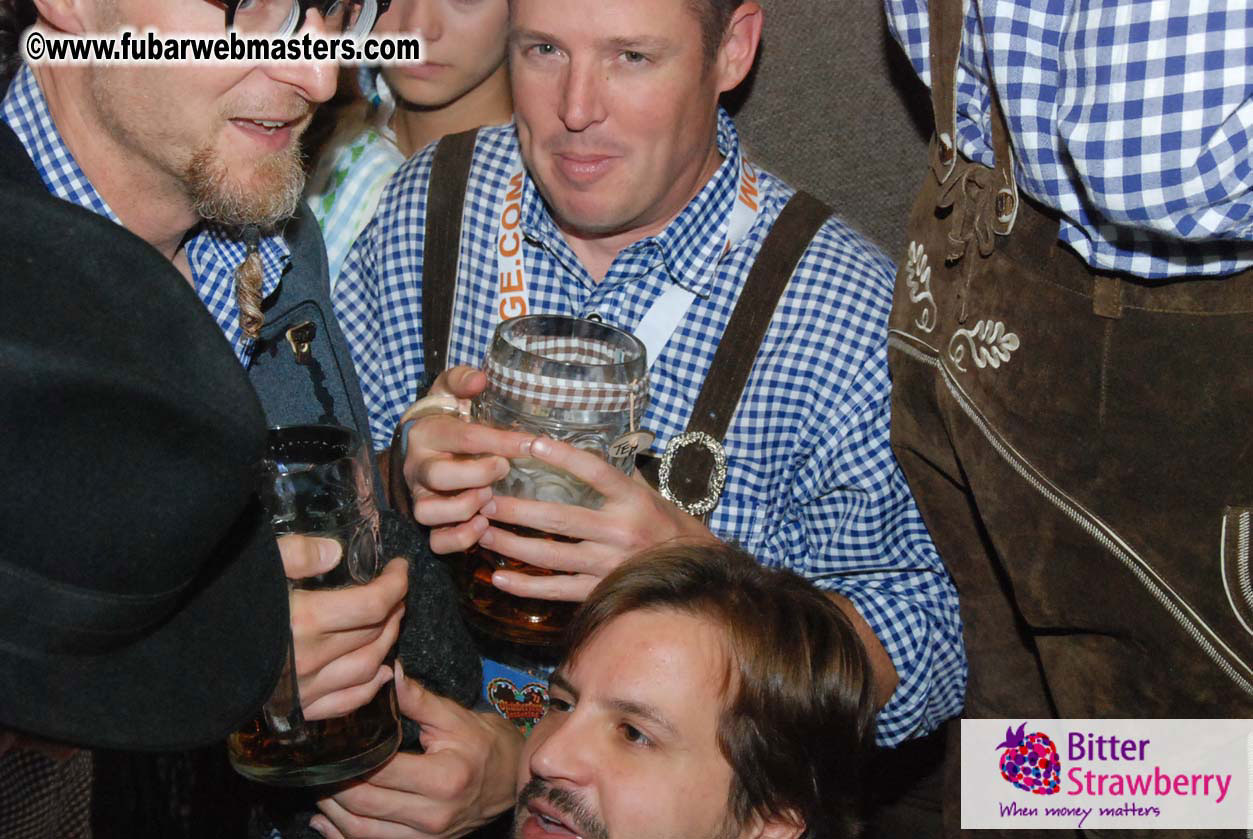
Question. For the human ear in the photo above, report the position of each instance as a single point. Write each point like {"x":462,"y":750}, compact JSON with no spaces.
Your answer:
{"x":786,"y":825}
{"x":739,"y":46}
{"x":71,"y":16}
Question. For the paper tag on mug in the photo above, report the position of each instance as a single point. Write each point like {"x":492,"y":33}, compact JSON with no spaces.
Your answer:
{"x":630,"y":443}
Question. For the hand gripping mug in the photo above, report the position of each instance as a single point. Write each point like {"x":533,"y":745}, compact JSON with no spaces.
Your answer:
{"x":574,"y":380}
{"x":317,"y":481}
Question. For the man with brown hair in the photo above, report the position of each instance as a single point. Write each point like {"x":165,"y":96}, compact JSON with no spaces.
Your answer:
{"x":701,"y":696}
{"x":621,"y":193}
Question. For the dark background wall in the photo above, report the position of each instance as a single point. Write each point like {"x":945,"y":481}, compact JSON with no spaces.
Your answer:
{"x":834,"y":107}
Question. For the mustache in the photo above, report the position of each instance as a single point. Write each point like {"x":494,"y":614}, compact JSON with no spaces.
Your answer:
{"x":571,"y":806}
{"x":292,"y":107}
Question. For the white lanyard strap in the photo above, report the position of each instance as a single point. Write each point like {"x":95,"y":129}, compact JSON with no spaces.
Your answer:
{"x":662,"y":319}
{"x":512,"y":286}
{"x":746,"y":207}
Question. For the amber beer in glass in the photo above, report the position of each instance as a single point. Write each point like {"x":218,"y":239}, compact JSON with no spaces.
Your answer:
{"x":520,"y":620}
{"x":574,"y":380}
{"x":317,"y":481}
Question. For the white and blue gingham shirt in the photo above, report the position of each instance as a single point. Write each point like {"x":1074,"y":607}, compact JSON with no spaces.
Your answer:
{"x":344,"y":198}
{"x":1132,"y":118}
{"x":812,"y":483}
{"x":212,"y":252}
{"x":344,"y":191}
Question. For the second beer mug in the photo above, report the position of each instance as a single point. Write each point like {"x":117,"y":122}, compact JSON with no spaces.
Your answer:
{"x":574,"y":380}
{"x":317,"y":481}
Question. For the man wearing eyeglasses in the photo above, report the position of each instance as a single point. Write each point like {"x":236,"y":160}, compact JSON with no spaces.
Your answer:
{"x":203,"y":164}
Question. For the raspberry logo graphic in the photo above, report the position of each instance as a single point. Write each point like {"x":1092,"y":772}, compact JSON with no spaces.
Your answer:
{"x":1030,"y":762}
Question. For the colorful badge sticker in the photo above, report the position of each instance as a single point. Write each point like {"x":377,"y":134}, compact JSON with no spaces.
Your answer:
{"x":524,"y":706}
{"x":518,"y":696}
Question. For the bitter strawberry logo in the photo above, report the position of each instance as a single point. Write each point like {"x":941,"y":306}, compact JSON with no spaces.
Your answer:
{"x":1030,"y":761}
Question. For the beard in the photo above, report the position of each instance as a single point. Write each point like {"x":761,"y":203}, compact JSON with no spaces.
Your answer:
{"x":572,"y":807}
{"x":138,"y":112}
{"x":579,"y":815}
{"x":271,"y":196}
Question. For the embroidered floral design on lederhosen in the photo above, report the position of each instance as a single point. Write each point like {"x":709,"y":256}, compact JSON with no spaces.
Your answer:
{"x":981,"y":204}
{"x":990,"y":345}
{"x":918,"y":278}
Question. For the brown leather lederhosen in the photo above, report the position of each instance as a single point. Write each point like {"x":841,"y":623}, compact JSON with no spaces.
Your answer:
{"x":1079,"y":445}
{"x":693,"y":465}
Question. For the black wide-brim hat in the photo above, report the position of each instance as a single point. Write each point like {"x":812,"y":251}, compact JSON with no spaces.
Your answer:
{"x":142,"y":597}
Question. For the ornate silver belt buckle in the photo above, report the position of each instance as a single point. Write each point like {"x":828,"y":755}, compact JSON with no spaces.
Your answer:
{"x":717,"y":479}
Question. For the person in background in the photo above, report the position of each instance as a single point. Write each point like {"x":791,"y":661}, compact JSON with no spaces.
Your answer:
{"x":701,"y":695}
{"x":462,"y":83}
{"x":1070,"y":351}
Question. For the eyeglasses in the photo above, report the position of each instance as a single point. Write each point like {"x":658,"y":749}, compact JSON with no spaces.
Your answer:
{"x":281,"y":18}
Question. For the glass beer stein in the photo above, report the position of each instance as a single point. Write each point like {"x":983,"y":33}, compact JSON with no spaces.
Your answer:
{"x":574,"y":380}
{"x":317,"y":481}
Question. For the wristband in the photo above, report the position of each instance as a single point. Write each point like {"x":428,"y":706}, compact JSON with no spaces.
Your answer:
{"x":427,"y":406}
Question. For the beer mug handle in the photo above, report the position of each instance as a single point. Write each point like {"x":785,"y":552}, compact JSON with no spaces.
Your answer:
{"x":282,"y":710}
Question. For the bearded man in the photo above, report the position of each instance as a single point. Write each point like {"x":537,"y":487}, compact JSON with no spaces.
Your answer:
{"x":203,"y":165}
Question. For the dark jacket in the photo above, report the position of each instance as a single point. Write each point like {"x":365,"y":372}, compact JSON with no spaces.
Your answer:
{"x":322,"y":386}
{"x":196,"y":795}
{"x":322,"y":389}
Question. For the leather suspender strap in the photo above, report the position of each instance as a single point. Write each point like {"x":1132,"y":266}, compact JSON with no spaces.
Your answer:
{"x":946,"y":24}
{"x":693,"y":470}
{"x":441,"y":249}
{"x":441,"y":246}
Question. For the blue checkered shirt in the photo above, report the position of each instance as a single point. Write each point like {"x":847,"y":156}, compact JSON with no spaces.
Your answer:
{"x":344,"y":191}
{"x":812,"y":483}
{"x":1131,"y":118}
{"x":212,"y":252}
